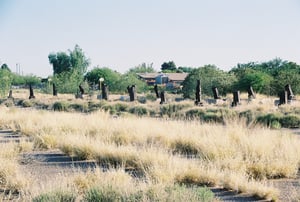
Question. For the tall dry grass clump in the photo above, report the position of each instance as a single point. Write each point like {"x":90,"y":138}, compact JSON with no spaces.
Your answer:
{"x":167,"y":152}
{"x":13,"y":182}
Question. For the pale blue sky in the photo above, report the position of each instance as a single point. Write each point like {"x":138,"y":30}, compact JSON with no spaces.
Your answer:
{"x":121,"y":34}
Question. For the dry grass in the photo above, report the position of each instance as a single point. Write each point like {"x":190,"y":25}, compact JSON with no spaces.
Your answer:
{"x":160,"y":152}
{"x":234,"y":157}
{"x":12,"y":181}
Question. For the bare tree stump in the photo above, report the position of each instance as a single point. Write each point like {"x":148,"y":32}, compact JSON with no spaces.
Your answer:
{"x":31,"y":94}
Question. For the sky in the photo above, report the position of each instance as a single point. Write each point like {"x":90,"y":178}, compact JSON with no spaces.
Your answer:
{"x":121,"y":34}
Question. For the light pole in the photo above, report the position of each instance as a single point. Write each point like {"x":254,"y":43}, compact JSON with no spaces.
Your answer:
{"x":100,"y":86}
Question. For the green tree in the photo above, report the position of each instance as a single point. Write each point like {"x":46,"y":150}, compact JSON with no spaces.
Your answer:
{"x":111,"y":78}
{"x":168,"y":67}
{"x":69,"y":69}
{"x":128,"y":80}
{"x":260,"y":81}
{"x":5,"y":66}
{"x":185,"y":69}
{"x":67,"y":82}
{"x":209,"y":76}
{"x":78,"y":60}
{"x":60,"y":61}
{"x":6,"y":79}
{"x":285,"y":77}
{"x":142,"y":68}
{"x":268,"y":77}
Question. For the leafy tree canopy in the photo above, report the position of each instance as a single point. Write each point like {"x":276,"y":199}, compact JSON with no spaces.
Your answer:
{"x":110,"y":77}
{"x":209,"y":76}
{"x":260,"y":81}
{"x":185,"y":69}
{"x":74,"y":60}
{"x":128,"y":80}
{"x":168,"y":67}
{"x":5,"y":66}
{"x":280,"y":72}
{"x":142,"y":68}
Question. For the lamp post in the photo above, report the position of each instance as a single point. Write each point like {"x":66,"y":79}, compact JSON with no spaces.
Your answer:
{"x":100,"y":86}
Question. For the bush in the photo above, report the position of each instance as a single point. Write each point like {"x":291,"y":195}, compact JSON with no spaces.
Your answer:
{"x":80,"y":107}
{"x":121,"y":107}
{"x":138,"y":110}
{"x":249,"y":115}
{"x":142,"y":100}
{"x":173,"y":110}
{"x":60,"y":106}
{"x":176,"y":193}
{"x":58,"y":196}
{"x":290,"y":121}
{"x":93,"y":106}
{"x":151,"y":97}
{"x":110,"y":108}
{"x":26,"y":103}
{"x":194,"y":113}
{"x":268,"y":119}
{"x":102,"y":195}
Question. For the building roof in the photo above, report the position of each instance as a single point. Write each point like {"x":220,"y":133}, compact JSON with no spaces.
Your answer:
{"x":177,"y":76}
{"x":171,"y":76}
{"x":148,"y":75}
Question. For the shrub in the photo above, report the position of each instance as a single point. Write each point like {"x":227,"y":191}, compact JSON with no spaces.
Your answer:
{"x":7,"y":102}
{"x":142,"y":100}
{"x":290,"y":121}
{"x":93,"y":106}
{"x":249,"y":115}
{"x":194,"y":113}
{"x":174,"y":193}
{"x":172,"y":110}
{"x":121,"y":107}
{"x":60,"y":106}
{"x":104,"y":194}
{"x":151,"y":97}
{"x":57,"y":196}
{"x":110,"y":108}
{"x":268,"y":119}
{"x":138,"y":110}
{"x":27,"y":103}
{"x":80,"y":107}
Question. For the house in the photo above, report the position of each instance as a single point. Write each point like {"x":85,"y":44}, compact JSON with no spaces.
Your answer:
{"x":171,"y":80}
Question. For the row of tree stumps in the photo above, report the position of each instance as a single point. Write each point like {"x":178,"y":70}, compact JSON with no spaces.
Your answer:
{"x":132,"y":93}
{"x":285,"y":96}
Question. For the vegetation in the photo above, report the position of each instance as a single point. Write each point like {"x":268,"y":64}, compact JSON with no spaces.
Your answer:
{"x":68,"y":69}
{"x":6,"y":79}
{"x":234,"y":157}
{"x":210,"y":76}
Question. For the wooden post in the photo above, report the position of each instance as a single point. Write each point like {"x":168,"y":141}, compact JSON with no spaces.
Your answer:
{"x":131,"y":92}
{"x":283,"y":97}
{"x":10,"y":95}
{"x":104,"y":91}
{"x":216,"y":93}
{"x":156,"y":91}
{"x":54,"y":90}
{"x":162,"y":97}
{"x":289,"y":91}
{"x":251,"y":93}
{"x":198,"y":93}
{"x":31,"y":94}
{"x":236,"y":98}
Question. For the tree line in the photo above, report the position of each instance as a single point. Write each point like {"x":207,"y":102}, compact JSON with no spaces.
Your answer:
{"x":70,"y":69}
